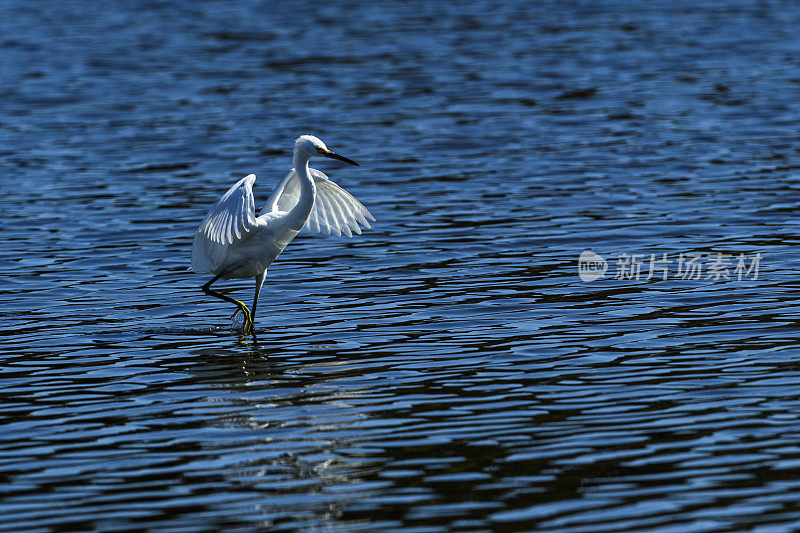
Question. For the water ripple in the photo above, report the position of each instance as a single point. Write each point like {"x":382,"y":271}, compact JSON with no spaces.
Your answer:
{"x":447,"y":370}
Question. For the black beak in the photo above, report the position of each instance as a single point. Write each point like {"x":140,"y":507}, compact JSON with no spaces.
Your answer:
{"x":340,"y":158}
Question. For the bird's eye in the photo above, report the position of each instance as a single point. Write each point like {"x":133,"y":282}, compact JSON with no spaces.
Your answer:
{"x":321,"y":150}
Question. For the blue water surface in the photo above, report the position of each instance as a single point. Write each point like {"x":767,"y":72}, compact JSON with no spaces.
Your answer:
{"x":447,"y":370}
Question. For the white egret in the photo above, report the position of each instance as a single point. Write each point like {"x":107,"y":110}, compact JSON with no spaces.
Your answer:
{"x":232,"y":242}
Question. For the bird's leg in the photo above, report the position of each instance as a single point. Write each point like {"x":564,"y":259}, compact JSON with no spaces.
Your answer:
{"x":259,"y":283}
{"x":248,"y":322}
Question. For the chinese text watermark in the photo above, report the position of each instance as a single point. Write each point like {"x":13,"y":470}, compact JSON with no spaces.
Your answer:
{"x":713,"y":266}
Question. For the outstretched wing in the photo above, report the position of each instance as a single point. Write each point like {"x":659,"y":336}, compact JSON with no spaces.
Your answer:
{"x":233,"y":216}
{"x":334,"y":211}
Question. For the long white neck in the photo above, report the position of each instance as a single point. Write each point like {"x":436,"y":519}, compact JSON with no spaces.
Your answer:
{"x":299,"y":213}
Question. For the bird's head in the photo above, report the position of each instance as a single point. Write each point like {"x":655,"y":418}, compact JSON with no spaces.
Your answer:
{"x":309,"y":146}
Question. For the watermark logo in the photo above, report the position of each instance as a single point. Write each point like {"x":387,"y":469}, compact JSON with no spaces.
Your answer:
{"x":591,"y":266}
{"x":694,"y":265}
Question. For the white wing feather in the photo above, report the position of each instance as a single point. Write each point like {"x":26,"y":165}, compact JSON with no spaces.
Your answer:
{"x":233,"y":216}
{"x":335,"y":210}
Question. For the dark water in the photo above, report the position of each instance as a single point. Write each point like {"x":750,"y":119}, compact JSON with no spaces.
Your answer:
{"x":447,"y":370}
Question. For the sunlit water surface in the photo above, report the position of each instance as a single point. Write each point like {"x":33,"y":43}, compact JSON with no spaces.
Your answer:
{"x":447,"y":369}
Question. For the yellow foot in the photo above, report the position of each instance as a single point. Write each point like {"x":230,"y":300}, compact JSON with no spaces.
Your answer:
{"x":247,"y":327}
